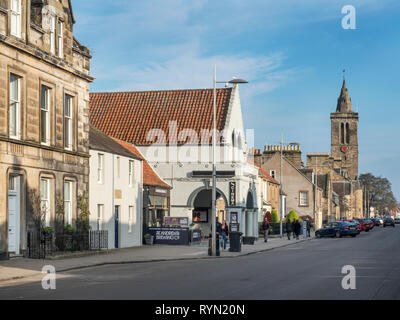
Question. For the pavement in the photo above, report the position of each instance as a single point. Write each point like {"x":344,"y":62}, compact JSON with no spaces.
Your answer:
{"x":306,"y":270}
{"x":19,"y":270}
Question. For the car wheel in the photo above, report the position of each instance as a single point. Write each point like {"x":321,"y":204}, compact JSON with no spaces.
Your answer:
{"x":318,"y":236}
{"x":366,"y":230}
{"x":353,"y":235}
{"x":338,"y":234}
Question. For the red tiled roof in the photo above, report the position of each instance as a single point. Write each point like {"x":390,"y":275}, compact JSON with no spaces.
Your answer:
{"x":150,"y":177}
{"x":262,"y":172}
{"x":129,"y":116}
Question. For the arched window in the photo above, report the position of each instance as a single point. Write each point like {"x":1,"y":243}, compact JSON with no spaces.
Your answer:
{"x":342,"y":132}
{"x":347,"y":133}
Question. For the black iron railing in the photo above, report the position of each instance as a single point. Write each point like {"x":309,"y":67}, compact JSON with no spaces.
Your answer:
{"x":41,"y":245}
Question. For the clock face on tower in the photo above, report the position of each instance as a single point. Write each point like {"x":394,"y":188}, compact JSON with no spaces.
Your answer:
{"x":344,"y":149}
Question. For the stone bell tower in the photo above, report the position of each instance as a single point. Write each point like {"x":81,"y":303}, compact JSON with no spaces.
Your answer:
{"x":344,"y":135}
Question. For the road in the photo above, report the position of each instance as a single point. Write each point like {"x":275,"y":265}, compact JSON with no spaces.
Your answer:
{"x":308,"y":270}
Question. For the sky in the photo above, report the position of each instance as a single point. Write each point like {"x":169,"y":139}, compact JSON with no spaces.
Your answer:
{"x":292,"y":52}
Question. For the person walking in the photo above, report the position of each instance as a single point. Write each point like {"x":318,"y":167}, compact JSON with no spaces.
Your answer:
{"x":224,"y":234}
{"x":308,"y":228}
{"x":288,"y":228}
{"x":266,"y":229}
{"x":297,"y":229}
{"x":294,"y":228}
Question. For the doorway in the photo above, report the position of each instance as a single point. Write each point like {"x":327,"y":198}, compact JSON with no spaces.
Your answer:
{"x":116,"y":227}
{"x":14,"y":214}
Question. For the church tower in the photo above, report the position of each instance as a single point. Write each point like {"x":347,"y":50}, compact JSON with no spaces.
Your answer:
{"x":344,"y":135}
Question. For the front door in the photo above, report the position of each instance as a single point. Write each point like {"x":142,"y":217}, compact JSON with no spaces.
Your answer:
{"x":116,"y":227}
{"x":14,"y":215}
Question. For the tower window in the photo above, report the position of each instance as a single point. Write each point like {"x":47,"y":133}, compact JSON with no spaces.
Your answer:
{"x":347,"y":133}
{"x":342,"y":132}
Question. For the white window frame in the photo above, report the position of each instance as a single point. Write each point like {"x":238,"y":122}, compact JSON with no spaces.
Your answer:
{"x":68,"y":203}
{"x":16,"y":102}
{"x":45,"y":202}
{"x":52,"y":34}
{"x":100,"y":168}
{"x":45,"y":107}
{"x":16,"y":18}
{"x":131,"y":211}
{"x":100,"y":215}
{"x":272,"y":173}
{"x":303,"y":203}
{"x":60,"y":34}
{"x":131,"y":172}
{"x":68,"y":119}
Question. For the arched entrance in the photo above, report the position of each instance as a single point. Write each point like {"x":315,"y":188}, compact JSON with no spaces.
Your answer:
{"x":202,"y":212}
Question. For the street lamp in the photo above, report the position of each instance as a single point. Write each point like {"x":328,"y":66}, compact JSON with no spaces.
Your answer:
{"x":214,"y":175}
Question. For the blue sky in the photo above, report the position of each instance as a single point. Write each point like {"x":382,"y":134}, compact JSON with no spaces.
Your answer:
{"x":291,"y":51}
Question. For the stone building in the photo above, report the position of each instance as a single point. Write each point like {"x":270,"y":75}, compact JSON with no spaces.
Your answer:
{"x":341,"y":165}
{"x":44,"y":109}
{"x":173,"y":130}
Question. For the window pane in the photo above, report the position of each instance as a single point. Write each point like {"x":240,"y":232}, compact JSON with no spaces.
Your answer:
{"x":67,"y":191}
{"x":44,"y":189}
{"x":14,"y":88}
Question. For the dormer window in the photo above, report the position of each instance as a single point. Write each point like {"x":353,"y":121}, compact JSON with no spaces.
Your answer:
{"x":16,"y":18}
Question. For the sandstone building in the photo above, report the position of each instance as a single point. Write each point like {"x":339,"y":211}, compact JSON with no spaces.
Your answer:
{"x":44,"y":109}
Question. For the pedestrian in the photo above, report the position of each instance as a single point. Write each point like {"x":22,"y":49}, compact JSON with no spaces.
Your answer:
{"x":224,"y":234}
{"x":308,"y":228}
{"x":266,"y":229}
{"x":294,"y":228}
{"x":288,"y":228}
{"x":297,"y":229}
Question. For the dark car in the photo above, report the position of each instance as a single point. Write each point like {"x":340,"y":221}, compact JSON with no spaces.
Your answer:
{"x":376,"y":222}
{"x":388,"y":222}
{"x":358,"y":224}
{"x":397,"y":220}
{"x":338,"y":229}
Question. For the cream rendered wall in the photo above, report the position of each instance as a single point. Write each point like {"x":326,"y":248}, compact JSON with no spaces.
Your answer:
{"x":124,"y":196}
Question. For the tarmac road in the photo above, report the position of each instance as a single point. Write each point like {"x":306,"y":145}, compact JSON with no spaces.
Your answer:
{"x":308,"y":270}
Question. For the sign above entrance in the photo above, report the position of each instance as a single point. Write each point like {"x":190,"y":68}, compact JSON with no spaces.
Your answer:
{"x":232,"y":194}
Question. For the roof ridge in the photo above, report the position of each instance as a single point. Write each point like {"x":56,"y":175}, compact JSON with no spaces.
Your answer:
{"x":168,"y":90}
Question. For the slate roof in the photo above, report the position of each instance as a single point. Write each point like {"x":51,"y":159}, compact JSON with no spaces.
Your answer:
{"x":101,"y":142}
{"x":150,"y":177}
{"x":130,"y":116}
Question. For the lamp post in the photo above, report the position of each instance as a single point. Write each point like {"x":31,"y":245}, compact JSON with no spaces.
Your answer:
{"x":214,"y":175}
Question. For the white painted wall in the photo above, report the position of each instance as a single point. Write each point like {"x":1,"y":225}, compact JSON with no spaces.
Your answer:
{"x":131,"y":196}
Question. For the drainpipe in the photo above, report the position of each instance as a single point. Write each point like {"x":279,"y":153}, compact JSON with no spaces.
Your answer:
{"x":113,"y":199}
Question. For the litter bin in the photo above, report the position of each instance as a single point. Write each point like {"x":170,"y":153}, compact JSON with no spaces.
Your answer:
{"x":210,"y":245}
{"x":235,"y":244}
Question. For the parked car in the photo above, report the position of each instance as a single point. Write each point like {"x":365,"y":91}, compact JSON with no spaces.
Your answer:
{"x":388,"y":222}
{"x":397,"y":220}
{"x":376,"y":222}
{"x":338,"y":229}
{"x":355,"y":222}
{"x":366,"y":226}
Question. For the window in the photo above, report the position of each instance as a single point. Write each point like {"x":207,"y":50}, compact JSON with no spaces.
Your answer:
{"x":100,"y":214}
{"x":45,"y":116}
{"x":130,"y":219}
{"x":16,"y":18}
{"x":68,"y":122}
{"x":45,"y":199}
{"x":342,"y":132}
{"x":53,"y":34}
{"x":118,"y":167}
{"x":272,"y":173}
{"x":68,"y":203}
{"x":131,"y":172}
{"x":303,"y":198}
{"x":60,"y":39}
{"x":347,"y":133}
{"x":15,"y":106}
{"x":100,"y":168}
